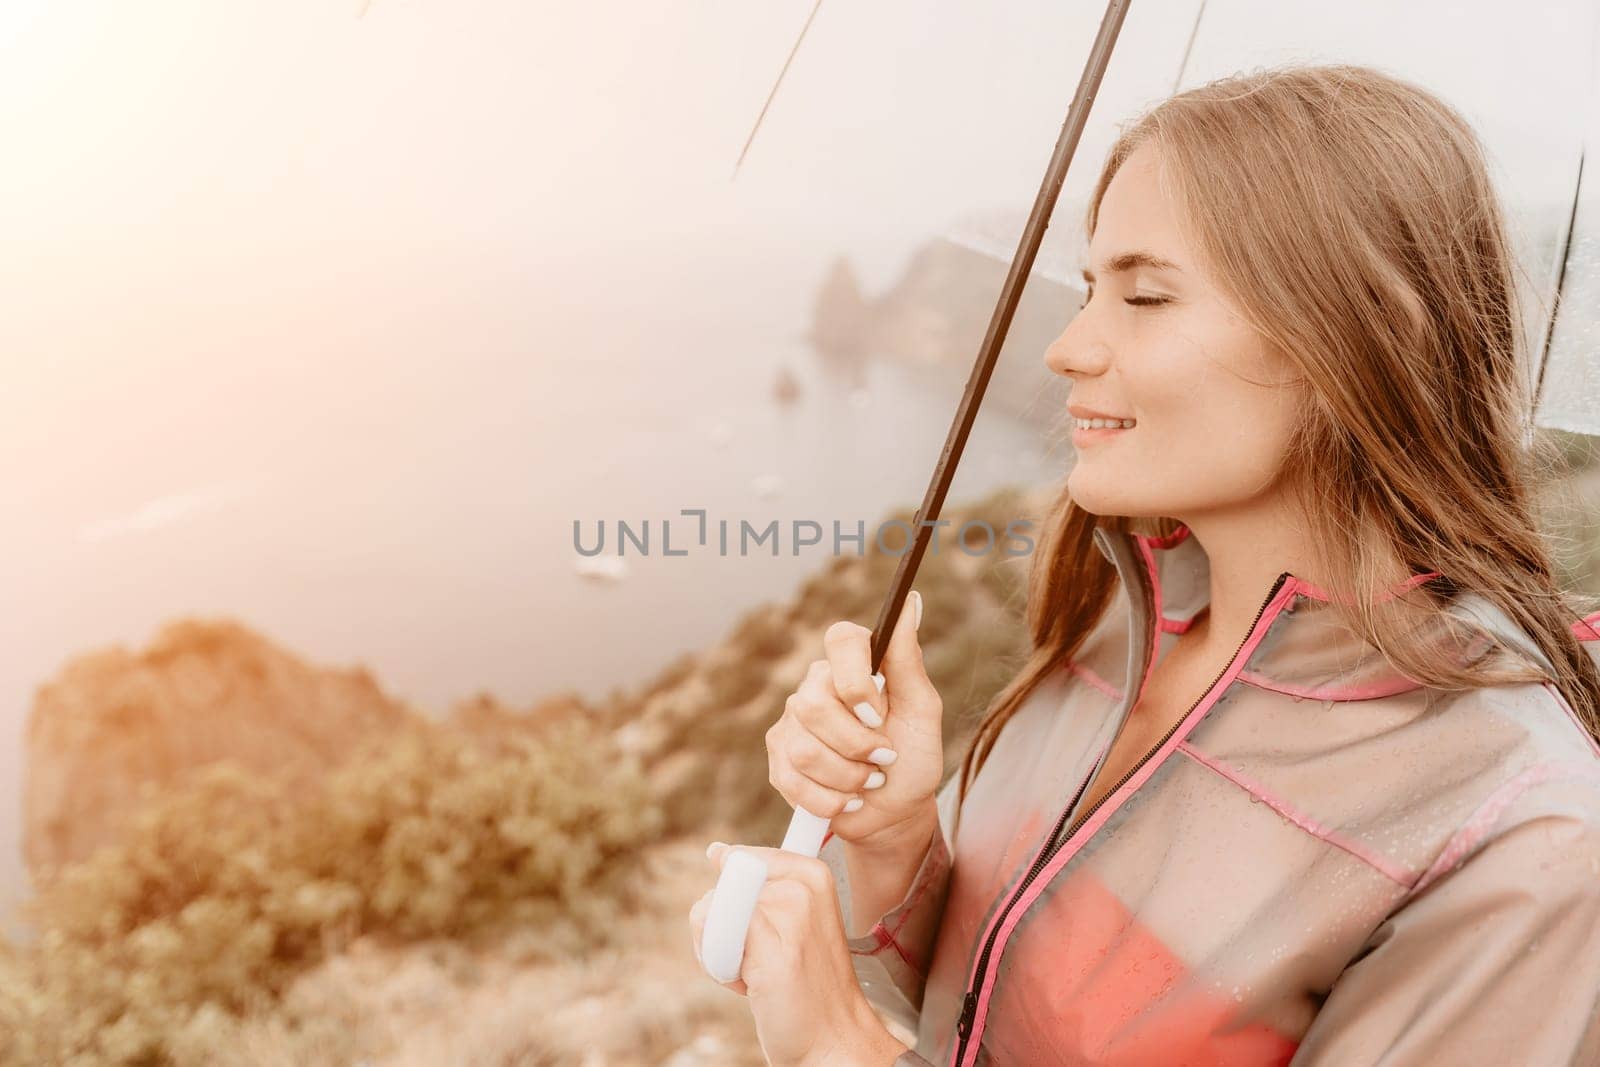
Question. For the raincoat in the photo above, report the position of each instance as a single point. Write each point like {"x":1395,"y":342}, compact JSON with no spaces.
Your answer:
{"x":1322,"y":864}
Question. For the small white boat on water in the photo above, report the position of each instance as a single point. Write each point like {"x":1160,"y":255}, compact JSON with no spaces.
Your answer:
{"x":766,"y":486}
{"x":601,"y":568}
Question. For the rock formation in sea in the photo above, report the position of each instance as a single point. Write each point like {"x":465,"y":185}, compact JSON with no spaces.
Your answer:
{"x":933,"y":320}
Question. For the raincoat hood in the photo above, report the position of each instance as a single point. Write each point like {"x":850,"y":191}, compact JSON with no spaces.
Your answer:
{"x":1321,"y":863}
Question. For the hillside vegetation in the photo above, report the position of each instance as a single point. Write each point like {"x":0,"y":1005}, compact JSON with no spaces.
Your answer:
{"x":503,"y":843}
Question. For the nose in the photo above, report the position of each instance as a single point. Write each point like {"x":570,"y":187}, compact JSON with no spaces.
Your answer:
{"x":1080,"y":350}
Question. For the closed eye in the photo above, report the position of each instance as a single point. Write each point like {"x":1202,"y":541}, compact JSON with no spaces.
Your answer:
{"x":1136,"y":301}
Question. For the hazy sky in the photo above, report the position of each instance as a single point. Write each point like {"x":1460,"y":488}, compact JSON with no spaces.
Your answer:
{"x":167,"y":160}
{"x":159,"y":128}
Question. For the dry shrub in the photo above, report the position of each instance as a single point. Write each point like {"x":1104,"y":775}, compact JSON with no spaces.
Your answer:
{"x":224,"y":890}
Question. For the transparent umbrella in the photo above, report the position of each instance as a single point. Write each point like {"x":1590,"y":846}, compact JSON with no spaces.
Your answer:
{"x":1520,"y":74}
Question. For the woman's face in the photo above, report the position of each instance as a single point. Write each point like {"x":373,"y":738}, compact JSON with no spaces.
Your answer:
{"x":1212,"y":406}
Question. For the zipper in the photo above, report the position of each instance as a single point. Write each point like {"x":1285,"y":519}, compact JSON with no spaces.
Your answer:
{"x":969,"y":1003}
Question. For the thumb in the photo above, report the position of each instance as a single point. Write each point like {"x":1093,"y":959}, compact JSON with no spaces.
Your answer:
{"x":905,"y":677}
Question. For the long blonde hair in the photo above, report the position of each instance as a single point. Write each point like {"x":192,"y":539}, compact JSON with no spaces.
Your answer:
{"x":1351,"y":218}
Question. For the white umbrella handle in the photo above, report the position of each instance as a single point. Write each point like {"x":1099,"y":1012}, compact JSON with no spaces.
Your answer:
{"x":743,"y":875}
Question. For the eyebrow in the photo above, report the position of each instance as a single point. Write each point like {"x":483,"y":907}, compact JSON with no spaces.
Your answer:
{"x":1132,"y":260}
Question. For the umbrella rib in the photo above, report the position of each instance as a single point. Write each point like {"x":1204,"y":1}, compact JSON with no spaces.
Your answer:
{"x":1572,"y":226}
{"x":747,"y":141}
{"x":1561,"y":281}
{"x":1194,"y":31}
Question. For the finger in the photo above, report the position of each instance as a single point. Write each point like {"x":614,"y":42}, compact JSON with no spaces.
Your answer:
{"x":806,"y":870}
{"x":902,"y":660}
{"x":697,"y":926}
{"x":697,"y":923}
{"x":802,"y":791}
{"x":831,"y":747}
{"x":816,"y":704}
{"x":849,"y":649}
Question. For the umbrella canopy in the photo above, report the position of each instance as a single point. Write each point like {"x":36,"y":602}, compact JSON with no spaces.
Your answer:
{"x":1534,"y":143}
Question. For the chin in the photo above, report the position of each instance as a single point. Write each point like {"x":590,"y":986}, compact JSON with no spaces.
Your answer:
{"x":1109,"y":497}
{"x":1093,"y":496}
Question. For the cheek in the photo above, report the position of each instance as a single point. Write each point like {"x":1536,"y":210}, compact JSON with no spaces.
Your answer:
{"x":1221,"y":408}
{"x":1233,"y":445}
{"x":1247,"y":448}
{"x":1211,"y":431}
{"x":1193,"y":448}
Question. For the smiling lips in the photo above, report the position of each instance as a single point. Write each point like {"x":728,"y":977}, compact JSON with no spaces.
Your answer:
{"x":1093,"y":418}
{"x":1085,"y":431}
{"x":1090,"y":425}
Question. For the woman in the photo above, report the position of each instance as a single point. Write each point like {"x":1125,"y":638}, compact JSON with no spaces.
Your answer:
{"x":1303,"y":767}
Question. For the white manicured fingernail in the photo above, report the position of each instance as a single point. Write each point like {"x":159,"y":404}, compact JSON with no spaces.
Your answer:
{"x":853,"y":804}
{"x":878,"y":680}
{"x":868,"y":714}
{"x":916,"y":624}
{"x":883,"y":756}
{"x":875,"y":779}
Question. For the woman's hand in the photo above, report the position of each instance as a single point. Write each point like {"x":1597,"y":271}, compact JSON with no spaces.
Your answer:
{"x":807,"y":1002}
{"x":867,"y":761}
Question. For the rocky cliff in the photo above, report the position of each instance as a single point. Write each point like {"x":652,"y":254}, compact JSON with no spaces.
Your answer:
{"x":115,"y":723}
